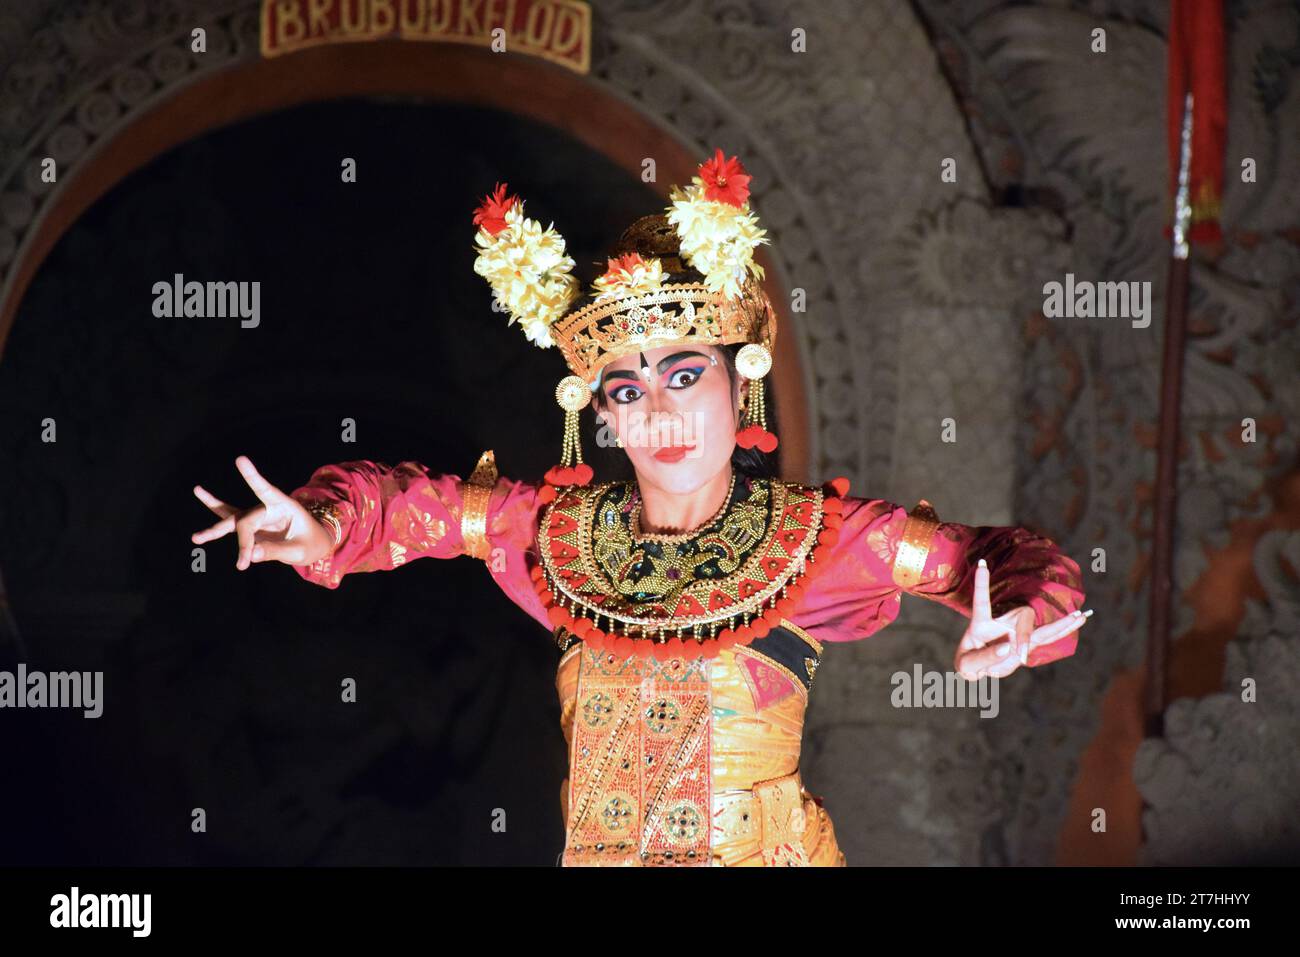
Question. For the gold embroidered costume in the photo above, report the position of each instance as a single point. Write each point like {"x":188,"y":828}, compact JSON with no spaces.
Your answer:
{"x":686,"y":759}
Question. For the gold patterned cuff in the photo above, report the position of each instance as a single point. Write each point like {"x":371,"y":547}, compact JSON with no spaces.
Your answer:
{"x":476,"y":491}
{"x":327,"y":513}
{"x":914,"y":549}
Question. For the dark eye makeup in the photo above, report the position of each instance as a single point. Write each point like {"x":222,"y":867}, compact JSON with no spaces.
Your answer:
{"x":624,"y":394}
{"x":630,"y":391}
{"x":692,"y":372}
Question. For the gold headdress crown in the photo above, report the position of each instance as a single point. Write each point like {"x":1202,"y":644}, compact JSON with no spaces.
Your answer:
{"x":685,"y":275}
{"x":683,"y":308}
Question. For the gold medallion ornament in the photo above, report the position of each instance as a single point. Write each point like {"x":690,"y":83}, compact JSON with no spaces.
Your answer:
{"x":753,"y":361}
{"x":572,"y":394}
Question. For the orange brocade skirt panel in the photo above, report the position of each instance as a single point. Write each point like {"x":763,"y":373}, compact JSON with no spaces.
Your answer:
{"x":690,"y":762}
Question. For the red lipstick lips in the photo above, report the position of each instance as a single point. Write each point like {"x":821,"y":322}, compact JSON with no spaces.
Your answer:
{"x":673,"y":453}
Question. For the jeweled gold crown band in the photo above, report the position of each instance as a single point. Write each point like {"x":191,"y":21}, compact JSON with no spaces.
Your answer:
{"x":600,"y":332}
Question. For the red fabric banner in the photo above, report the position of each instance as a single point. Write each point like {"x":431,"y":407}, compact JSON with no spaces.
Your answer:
{"x":1197,"y":65}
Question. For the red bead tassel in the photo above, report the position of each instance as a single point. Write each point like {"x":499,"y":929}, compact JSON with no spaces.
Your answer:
{"x":567,"y":473}
{"x":755,"y":434}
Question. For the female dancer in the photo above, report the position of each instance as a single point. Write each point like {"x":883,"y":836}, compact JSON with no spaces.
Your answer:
{"x":692,"y":605}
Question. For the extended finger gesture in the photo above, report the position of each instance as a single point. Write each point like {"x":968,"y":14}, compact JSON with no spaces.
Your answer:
{"x":278,"y":529}
{"x":998,"y":646}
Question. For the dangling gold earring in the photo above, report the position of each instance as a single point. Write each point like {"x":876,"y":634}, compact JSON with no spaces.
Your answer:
{"x":572,"y":395}
{"x":753,"y":361}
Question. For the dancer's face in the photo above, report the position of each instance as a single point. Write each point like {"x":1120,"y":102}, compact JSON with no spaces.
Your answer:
{"x":676,"y":417}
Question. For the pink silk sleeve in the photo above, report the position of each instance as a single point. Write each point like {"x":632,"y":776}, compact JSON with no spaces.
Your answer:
{"x":390,"y":515}
{"x":856,"y":595}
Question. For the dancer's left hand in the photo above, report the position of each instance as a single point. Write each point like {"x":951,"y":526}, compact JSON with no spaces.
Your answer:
{"x":998,"y":646}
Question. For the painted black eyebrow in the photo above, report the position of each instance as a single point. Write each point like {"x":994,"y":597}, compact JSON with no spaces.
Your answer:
{"x":660,"y":366}
{"x":664,"y":363}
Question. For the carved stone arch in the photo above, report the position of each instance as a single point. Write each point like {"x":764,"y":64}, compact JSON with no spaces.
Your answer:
{"x":159,"y":94}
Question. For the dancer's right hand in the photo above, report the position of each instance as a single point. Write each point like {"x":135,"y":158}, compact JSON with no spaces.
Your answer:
{"x":277,"y":530}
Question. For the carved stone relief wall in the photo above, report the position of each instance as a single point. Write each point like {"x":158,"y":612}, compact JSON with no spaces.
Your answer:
{"x":1066,"y":129}
{"x":1221,"y":786}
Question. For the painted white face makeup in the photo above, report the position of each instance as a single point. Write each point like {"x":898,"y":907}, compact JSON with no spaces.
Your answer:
{"x":674,"y":409}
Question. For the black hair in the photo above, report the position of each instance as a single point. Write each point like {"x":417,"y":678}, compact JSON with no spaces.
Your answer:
{"x":751,"y":462}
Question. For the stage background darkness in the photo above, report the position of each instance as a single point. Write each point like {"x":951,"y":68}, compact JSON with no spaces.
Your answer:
{"x":222,"y":689}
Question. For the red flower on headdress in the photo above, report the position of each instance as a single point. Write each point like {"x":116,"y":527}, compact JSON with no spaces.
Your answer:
{"x":491,"y":213}
{"x":625,"y":263}
{"x":725,"y":180}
